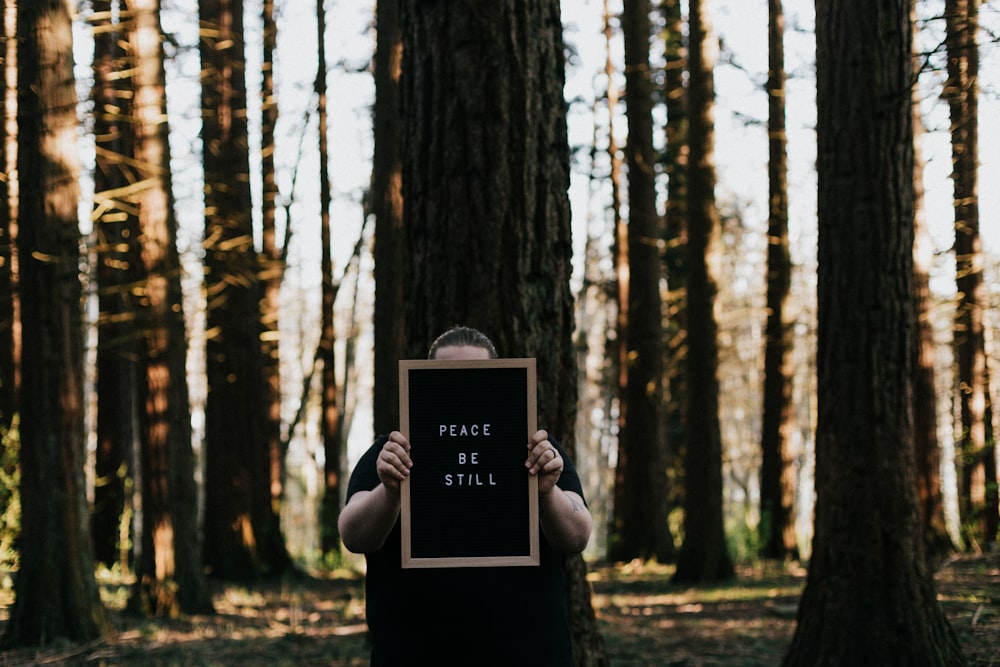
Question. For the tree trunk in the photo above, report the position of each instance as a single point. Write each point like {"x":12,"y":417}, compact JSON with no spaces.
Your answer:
{"x":56,"y":595}
{"x":115,"y":248}
{"x":675,"y":246}
{"x":486,"y":173}
{"x":272,"y":269}
{"x":927,"y":448}
{"x":703,"y":555}
{"x":387,"y":201}
{"x":237,"y":478}
{"x":640,"y":503}
{"x":777,"y":477}
{"x":962,"y":92}
{"x":9,"y":341}
{"x":169,"y":576}
{"x":869,"y":597}
{"x":330,"y":420}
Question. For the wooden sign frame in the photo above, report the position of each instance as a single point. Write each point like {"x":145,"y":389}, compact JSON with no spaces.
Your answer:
{"x":469,"y":500}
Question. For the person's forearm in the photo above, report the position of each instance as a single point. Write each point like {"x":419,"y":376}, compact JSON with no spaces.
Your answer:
{"x":367,"y":519}
{"x":565,"y":520}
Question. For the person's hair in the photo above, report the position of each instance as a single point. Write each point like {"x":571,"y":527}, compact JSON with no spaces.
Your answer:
{"x":461,"y":337}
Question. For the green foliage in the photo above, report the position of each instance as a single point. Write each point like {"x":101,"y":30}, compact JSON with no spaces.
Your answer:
{"x":10,"y":506}
{"x":743,"y":541}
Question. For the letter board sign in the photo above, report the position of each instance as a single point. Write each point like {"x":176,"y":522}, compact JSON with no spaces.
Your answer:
{"x":469,"y":500}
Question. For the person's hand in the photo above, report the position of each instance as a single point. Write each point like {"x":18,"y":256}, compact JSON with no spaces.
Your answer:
{"x":394,"y":462}
{"x":544,"y":461}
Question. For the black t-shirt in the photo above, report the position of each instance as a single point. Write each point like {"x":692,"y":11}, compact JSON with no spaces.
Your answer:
{"x":484,"y":616}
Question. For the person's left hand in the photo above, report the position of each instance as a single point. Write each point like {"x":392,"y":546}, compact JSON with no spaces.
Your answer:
{"x":544,"y":461}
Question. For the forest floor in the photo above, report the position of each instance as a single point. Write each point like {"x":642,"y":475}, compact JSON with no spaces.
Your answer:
{"x":645,"y":620}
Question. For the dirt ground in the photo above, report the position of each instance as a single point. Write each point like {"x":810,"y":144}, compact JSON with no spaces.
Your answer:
{"x":645,"y":622}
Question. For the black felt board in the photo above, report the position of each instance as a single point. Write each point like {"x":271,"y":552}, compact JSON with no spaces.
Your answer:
{"x":469,"y":500}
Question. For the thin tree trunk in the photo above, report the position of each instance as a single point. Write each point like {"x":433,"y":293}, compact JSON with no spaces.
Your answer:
{"x":115,"y":253}
{"x":641,"y":529}
{"x":703,"y":555}
{"x":962,"y":93}
{"x":387,"y":199}
{"x":9,"y":320}
{"x":777,"y":478}
{"x":927,"y":448}
{"x":675,"y":246}
{"x":272,"y":272}
{"x":330,"y":420}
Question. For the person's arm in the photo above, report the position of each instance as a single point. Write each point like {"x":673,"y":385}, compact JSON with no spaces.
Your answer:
{"x":563,"y":515}
{"x":368,"y":517}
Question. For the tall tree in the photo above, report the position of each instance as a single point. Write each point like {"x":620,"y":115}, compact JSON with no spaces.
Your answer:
{"x":962,"y":92}
{"x":387,"y":206}
{"x":485,"y":192}
{"x":869,"y":597}
{"x":8,"y":154}
{"x":272,"y":272}
{"x":56,"y":593}
{"x":169,"y":574}
{"x":675,"y":166}
{"x":238,"y":538}
{"x":927,"y":447}
{"x":114,"y":248}
{"x":777,"y":479}
{"x":640,"y":505}
{"x":330,"y":420}
{"x":703,"y":555}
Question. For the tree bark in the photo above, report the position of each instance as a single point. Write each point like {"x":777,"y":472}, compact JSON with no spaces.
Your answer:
{"x":9,"y":338}
{"x":777,"y":478}
{"x":485,"y":180}
{"x":169,"y":576}
{"x":869,"y":597}
{"x":703,"y":555}
{"x":330,"y":421}
{"x":675,"y":246}
{"x":56,"y":593}
{"x":115,"y":250}
{"x":387,"y":201}
{"x":640,"y":499}
{"x":962,"y":92}
{"x":272,"y":273}
{"x":927,"y":448}
{"x":238,"y":541}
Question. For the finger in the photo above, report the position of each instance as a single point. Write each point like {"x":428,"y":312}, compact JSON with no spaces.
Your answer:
{"x":544,"y":458}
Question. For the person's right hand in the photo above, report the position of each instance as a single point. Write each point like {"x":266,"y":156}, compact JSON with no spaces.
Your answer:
{"x":394,"y":462}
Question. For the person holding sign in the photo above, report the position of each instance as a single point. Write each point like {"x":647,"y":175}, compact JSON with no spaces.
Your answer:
{"x":490,"y":616}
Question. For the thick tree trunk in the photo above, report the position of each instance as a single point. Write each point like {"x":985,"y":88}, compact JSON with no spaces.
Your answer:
{"x":869,"y":597}
{"x":485,"y":181}
{"x":56,"y":593}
